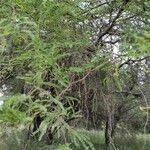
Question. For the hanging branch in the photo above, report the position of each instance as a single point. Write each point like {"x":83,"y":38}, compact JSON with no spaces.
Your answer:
{"x":75,"y":82}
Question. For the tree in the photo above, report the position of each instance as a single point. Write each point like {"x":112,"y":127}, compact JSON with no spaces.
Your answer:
{"x":62,"y":55}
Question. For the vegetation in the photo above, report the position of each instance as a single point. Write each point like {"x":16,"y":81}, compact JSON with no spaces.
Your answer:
{"x":67,"y":65}
{"x":18,"y":140}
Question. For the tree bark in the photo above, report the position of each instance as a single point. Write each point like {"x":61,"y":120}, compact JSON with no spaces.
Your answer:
{"x":111,"y":124}
{"x":108,"y":131}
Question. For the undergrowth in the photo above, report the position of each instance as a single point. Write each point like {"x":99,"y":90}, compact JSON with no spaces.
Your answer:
{"x":13,"y":139}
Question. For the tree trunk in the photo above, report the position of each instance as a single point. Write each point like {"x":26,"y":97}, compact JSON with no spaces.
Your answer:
{"x":49,"y":137}
{"x":110,"y":129}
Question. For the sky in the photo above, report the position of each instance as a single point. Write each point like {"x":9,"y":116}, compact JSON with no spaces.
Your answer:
{"x":1,"y":94}
{"x":1,"y":101}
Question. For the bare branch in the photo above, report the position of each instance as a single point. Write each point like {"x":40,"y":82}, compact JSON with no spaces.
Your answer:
{"x":107,"y":29}
{"x":131,"y":61}
{"x":95,"y":7}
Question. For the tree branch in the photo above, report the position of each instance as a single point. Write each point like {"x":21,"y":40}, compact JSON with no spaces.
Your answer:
{"x":107,"y":29}
{"x":131,"y":61}
{"x":97,"y":6}
{"x":75,"y":82}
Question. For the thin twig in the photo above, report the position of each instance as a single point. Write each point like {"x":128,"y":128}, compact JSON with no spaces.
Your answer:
{"x":75,"y":82}
{"x":131,"y":61}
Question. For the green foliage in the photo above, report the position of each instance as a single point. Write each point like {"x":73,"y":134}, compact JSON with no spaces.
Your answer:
{"x":35,"y":36}
{"x":51,"y":51}
{"x":11,"y":112}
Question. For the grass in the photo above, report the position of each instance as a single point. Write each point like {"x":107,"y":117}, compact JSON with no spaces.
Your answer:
{"x":15,"y":140}
{"x":133,"y":142}
{"x":121,"y":142}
